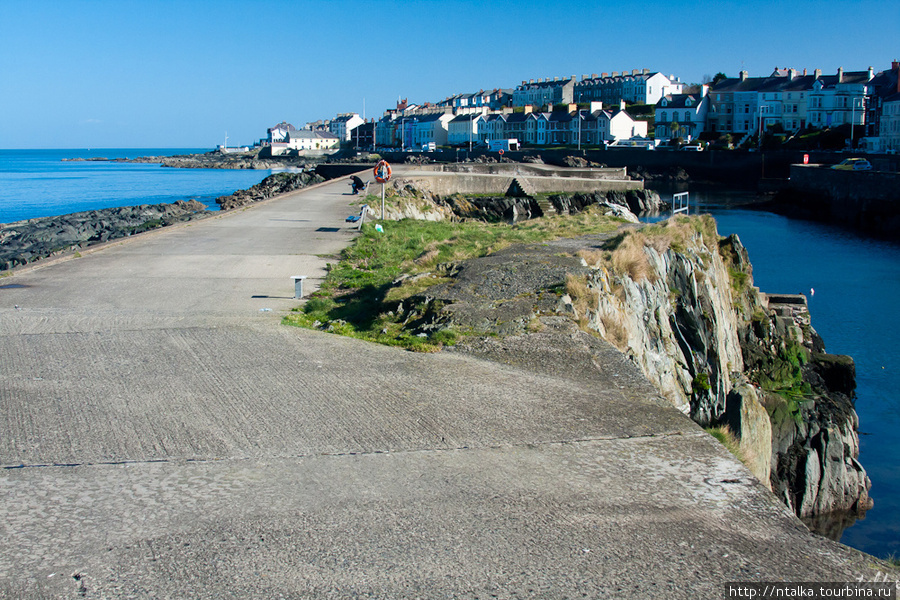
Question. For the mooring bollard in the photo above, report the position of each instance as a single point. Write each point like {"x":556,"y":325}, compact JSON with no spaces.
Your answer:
{"x":298,"y":286}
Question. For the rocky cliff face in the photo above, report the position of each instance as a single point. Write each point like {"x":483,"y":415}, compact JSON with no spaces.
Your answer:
{"x":680,"y":302}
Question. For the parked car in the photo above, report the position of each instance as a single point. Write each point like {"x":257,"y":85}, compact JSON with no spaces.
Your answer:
{"x":853,"y":164}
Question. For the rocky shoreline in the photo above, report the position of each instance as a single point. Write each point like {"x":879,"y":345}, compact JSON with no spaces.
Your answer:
{"x":25,"y":242}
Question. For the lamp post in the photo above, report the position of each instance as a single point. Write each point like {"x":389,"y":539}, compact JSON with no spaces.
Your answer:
{"x":578,"y":116}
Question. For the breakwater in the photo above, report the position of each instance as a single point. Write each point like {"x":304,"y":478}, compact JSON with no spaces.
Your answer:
{"x":868,"y":201}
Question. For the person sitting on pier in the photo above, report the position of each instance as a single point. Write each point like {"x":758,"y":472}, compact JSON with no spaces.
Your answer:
{"x":357,"y":184}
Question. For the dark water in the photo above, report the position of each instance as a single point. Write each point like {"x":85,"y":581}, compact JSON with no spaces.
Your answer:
{"x":38,"y":183}
{"x":855,"y":307}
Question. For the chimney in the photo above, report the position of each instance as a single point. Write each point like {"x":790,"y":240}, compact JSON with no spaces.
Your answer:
{"x":817,"y":73}
{"x":584,"y":76}
{"x":593,"y":76}
{"x":572,"y":107}
{"x":871,"y":73}
{"x":792,"y":73}
{"x":604,"y":75}
{"x":840,"y":74}
{"x":704,"y":89}
{"x":744,"y":75}
{"x":615,"y":73}
{"x":531,"y":81}
{"x":635,"y":71}
{"x":528,"y":109}
{"x":645,"y":72}
{"x":621,"y":105}
{"x":804,"y":72}
{"x":595,"y":106}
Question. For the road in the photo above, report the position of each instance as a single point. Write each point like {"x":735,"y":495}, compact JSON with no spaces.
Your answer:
{"x":162,"y":435}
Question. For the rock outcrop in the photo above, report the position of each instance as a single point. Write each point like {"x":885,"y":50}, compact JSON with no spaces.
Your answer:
{"x":273,"y":185}
{"x":518,"y":204}
{"x":27,"y":241}
{"x":679,"y":301}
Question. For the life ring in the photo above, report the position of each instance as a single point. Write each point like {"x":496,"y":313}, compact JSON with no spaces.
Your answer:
{"x":501,"y":152}
{"x":382,"y":171}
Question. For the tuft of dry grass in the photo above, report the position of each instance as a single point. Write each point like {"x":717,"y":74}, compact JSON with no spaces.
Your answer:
{"x":630,"y":258}
{"x":584,"y":297}
{"x":616,"y":334}
{"x":593,"y":258}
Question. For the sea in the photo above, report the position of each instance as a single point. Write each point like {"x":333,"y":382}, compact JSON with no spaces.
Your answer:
{"x":40,"y":183}
{"x":852,"y":281}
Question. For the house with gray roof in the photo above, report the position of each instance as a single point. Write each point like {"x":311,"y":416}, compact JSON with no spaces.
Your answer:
{"x":688,"y":111}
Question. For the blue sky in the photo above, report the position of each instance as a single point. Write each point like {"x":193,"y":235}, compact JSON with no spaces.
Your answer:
{"x":83,"y":73}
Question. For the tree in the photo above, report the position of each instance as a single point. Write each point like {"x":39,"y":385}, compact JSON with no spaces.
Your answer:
{"x":719,"y":77}
{"x":674,"y":127}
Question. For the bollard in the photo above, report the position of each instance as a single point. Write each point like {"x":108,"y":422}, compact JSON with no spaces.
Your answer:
{"x":298,"y":286}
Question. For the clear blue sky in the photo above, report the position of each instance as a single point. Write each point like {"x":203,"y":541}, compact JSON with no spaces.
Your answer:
{"x":161,"y":73}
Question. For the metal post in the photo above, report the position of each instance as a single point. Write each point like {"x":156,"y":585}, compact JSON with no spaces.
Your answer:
{"x":298,"y":286}
{"x":382,"y":202}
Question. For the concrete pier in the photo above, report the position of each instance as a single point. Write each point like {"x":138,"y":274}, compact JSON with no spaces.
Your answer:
{"x":163,"y":435}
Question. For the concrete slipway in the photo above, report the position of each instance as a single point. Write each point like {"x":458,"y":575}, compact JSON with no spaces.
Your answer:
{"x":163,"y":435}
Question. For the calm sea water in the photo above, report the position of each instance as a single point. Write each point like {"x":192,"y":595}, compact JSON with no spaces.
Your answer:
{"x":854,"y":307}
{"x":37,"y":183}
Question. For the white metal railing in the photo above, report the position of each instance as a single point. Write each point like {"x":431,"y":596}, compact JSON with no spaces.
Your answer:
{"x":680,"y":203}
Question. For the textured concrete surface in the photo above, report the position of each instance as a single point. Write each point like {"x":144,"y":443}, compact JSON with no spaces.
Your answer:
{"x":163,"y":436}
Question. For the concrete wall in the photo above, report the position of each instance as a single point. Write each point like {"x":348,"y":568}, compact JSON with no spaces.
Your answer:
{"x":866,"y":200}
{"x":474,"y":183}
{"x":525,"y":169}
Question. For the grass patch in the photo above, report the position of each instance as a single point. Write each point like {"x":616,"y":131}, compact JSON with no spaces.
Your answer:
{"x":373,"y":292}
{"x":727,"y":438}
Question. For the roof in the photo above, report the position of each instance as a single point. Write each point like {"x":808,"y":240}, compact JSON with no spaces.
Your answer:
{"x":306,"y":134}
{"x":680,"y":101}
{"x":284,"y":125}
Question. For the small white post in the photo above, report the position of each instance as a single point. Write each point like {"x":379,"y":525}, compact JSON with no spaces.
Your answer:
{"x":298,"y":286}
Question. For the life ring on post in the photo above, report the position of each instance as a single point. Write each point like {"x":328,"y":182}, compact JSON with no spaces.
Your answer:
{"x":382,"y":171}
{"x":501,"y":152}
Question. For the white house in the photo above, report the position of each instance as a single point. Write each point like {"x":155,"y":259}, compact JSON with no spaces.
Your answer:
{"x":343,"y":125}
{"x":279,"y":132}
{"x":305,"y":140}
{"x":838,"y":100}
{"x":687,"y":110}
{"x":464,"y":129}
{"x":623,"y":126}
{"x":431,"y":128}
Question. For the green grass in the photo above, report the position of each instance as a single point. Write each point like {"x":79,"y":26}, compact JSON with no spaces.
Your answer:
{"x":727,"y":439}
{"x":362,"y":293}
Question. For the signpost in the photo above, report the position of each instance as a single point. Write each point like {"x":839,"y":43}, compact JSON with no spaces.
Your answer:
{"x":382,"y":176}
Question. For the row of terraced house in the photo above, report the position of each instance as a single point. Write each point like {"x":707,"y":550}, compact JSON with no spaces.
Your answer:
{"x":592,"y":110}
{"x":789,"y":101}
